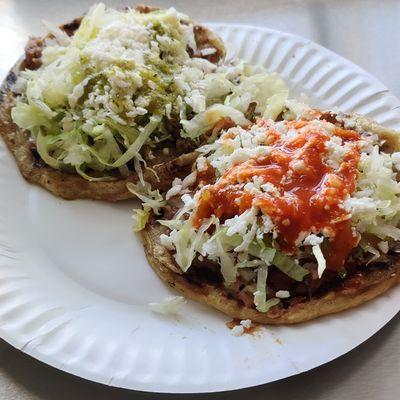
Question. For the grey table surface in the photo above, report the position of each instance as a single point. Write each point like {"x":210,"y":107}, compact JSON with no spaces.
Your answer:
{"x":364,"y":31}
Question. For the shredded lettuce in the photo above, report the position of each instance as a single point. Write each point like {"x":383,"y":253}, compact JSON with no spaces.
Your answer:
{"x":188,"y":241}
{"x":320,"y":259}
{"x":375,"y":207}
{"x":117,"y":83}
{"x":275,"y":104}
{"x":289,"y":266}
{"x":30,"y":116}
{"x":151,"y":201}
{"x":245,"y":244}
{"x":171,"y":224}
{"x":265,"y":307}
{"x":259,"y":249}
{"x":269,"y":93}
{"x":256,"y":248}
{"x":228,"y":266}
{"x":260,"y":295}
{"x":140,"y":218}
{"x":204,"y":121}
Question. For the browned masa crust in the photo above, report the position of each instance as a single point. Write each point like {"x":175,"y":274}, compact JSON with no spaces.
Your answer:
{"x":70,"y":185}
{"x":372,"y":284}
{"x":348,"y":295}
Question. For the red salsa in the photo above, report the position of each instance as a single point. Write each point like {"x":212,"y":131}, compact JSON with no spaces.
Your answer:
{"x":308,"y":192}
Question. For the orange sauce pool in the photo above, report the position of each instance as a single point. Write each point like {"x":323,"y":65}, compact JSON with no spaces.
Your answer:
{"x":310,"y":192}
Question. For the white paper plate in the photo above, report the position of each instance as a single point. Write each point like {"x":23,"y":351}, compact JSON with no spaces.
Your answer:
{"x":74,"y":282}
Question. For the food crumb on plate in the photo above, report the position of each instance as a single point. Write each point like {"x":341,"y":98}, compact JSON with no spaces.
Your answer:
{"x":169,"y":306}
{"x":238,"y":329}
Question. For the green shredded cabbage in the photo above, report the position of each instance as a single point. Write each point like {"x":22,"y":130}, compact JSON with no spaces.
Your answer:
{"x":288,"y":266}
{"x":151,"y":199}
{"x":243,"y":243}
{"x":375,"y":208}
{"x":140,"y":218}
{"x":171,"y":224}
{"x":260,"y":295}
{"x":265,"y":307}
{"x":120,"y":80}
{"x":188,"y":241}
{"x":204,"y":121}
{"x":259,"y":249}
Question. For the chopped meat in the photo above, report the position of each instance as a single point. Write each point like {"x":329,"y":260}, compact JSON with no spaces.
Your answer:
{"x":175,"y":203}
{"x":278,"y":280}
{"x":205,"y":271}
{"x":72,"y":26}
{"x":249,"y":114}
{"x":184,"y":146}
{"x":330,"y":117}
{"x":35,"y":45}
{"x":223,"y":123}
{"x":38,"y":163}
{"x":33,"y":53}
{"x":202,"y":37}
{"x":145,"y":9}
{"x":173,"y":127}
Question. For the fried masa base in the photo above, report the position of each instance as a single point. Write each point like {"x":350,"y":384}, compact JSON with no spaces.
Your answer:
{"x":72,"y":186}
{"x":373,"y":283}
{"x":347,"y":295}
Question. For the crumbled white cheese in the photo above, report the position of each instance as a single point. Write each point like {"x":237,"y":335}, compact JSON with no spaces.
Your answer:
{"x":189,"y":180}
{"x":239,"y":223}
{"x":208,"y":51}
{"x":238,"y":156}
{"x":201,"y":164}
{"x":174,"y":191}
{"x":246,"y":323}
{"x":282,"y":294}
{"x":270,"y":188}
{"x":298,"y":165}
{"x":168,"y":109}
{"x":320,"y":259}
{"x":189,"y":36}
{"x":266,"y":227}
{"x":251,"y":188}
{"x":202,"y":64}
{"x":237,"y":330}
{"x":312,"y":240}
{"x":383,"y":247}
{"x":336,"y":151}
{"x":360,"y":205}
{"x":196,"y":100}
